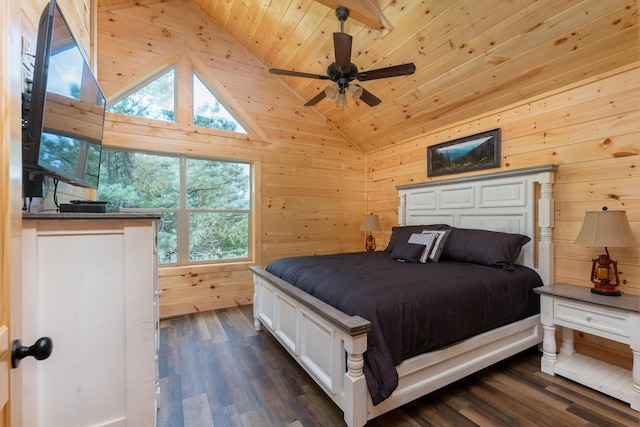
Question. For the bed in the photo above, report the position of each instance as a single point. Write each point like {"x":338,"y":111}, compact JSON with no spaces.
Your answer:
{"x":337,"y":337}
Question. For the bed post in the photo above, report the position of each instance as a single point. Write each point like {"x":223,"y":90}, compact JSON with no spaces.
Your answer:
{"x":546,"y":222}
{"x":402,"y":210}
{"x":355,"y":385}
{"x":256,"y":321}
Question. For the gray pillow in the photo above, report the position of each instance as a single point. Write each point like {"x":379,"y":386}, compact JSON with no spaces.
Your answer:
{"x":407,"y":252}
{"x":484,"y":247}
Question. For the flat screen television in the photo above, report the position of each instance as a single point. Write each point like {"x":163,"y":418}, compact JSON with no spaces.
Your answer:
{"x":64,"y":120}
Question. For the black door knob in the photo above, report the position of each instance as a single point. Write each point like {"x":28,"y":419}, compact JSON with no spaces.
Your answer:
{"x":41,"y":349}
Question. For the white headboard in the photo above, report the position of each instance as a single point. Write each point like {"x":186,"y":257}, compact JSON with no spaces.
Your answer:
{"x":514,"y":201}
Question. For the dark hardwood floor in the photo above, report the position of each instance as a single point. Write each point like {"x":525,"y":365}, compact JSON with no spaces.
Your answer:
{"x":216,"y":370}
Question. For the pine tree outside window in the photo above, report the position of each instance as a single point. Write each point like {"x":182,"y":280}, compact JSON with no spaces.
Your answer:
{"x":154,"y":100}
{"x":206,"y":202}
{"x":208,"y":111}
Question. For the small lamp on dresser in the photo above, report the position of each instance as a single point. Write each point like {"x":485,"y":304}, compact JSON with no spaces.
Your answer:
{"x":370,"y":223}
{"x":609,"y":229}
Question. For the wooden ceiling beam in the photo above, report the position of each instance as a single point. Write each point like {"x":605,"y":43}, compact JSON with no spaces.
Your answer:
{"x":367,"y":12}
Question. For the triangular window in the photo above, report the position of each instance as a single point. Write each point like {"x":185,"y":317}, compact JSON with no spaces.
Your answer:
{"x":154,"y":100}
{"x":209,"y":112}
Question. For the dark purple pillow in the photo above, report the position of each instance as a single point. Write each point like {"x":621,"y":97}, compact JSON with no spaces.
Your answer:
{"x":401,"y":234}
{"x":483,"y":247}
{"x":408,"y":252}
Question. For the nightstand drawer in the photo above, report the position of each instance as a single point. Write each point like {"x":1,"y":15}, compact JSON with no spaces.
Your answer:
{"x":589,"y":318}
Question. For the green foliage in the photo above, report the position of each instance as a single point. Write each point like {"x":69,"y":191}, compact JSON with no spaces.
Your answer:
{"x":207,"y":110}
{"x":154,"y":100}
{"x":213,"y":184}
{"x":218,"y":185}
{"x":218,"y":236}
{"x":207,"y":115}
{"x":138,"y":180}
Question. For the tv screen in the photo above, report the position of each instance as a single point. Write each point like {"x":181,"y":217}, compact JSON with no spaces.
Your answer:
{"x":63,"y":133}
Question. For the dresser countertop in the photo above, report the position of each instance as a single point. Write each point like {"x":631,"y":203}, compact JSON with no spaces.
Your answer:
{"x":52,"y":216}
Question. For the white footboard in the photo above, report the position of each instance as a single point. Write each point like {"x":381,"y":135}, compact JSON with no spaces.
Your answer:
{"x":327,"y":343}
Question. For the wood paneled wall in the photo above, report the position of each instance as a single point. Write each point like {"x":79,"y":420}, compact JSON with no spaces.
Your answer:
{"x":309,"y":179}
{"x":78,"y":14}
{"x":591,"y":129}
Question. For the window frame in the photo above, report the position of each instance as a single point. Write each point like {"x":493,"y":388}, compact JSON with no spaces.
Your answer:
{"x":182,"y":212}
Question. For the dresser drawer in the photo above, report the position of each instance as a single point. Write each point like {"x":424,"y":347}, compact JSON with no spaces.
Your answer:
{"x":592,"y":319}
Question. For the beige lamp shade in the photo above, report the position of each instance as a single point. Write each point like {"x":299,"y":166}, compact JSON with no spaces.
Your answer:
{"x":606,"y":228}
{"x":371,"y":223}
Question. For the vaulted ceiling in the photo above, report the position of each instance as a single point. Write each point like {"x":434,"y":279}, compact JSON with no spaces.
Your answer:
{"x":471,"y":56}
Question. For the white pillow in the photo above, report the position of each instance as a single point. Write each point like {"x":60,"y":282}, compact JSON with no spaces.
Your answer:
{"x":440,"y":238}
{"x":428,"y":240}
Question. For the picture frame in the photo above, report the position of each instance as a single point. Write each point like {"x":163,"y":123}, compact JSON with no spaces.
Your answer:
{"x":475,"y":152}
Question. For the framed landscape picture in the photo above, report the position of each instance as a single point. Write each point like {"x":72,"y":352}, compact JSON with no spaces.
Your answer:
{"x":475,"y":152}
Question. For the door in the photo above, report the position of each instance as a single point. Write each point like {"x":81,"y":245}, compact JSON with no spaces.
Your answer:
{"x":10,"y":201}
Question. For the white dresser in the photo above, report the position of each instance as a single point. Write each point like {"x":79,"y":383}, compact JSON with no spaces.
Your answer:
{"x":615,"y":318}
{"x":90,"y":284}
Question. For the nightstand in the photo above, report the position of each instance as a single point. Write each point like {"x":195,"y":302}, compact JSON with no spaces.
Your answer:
{"x":614,"y":318}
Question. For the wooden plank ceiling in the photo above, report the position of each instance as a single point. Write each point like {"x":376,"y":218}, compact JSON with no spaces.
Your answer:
{"x":472,"y":56}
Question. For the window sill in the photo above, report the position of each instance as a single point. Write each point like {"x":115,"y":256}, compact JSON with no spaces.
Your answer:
{"x":202,"y":268}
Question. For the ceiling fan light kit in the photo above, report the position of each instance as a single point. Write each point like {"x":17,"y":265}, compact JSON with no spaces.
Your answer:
{"x":342,"y":72}
{"x":355,"y":91}
{"x":332,"y":90}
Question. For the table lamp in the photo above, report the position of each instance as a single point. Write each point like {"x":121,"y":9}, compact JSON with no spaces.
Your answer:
{"x":609,"y":229}
{"x":370,"y":223}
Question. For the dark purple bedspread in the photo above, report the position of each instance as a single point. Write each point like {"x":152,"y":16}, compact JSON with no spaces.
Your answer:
{"x":413,"y":308}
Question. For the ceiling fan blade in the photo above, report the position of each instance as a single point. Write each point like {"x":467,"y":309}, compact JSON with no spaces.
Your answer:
{"x":297,"y":74}
{"x":369,"y":98}
{"x":313,"y":101}
{"x":381,"y":73}
{"x":342,"y":47}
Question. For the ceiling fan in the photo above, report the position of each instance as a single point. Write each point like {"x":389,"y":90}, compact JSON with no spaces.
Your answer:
{"x":342,"y":72}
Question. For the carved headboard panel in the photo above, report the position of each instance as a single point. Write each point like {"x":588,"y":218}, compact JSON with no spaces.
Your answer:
{"x":514,"y":201}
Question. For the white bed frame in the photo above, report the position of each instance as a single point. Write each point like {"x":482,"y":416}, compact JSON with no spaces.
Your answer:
{"x":330,"y":345}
